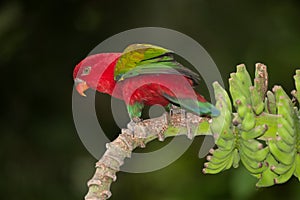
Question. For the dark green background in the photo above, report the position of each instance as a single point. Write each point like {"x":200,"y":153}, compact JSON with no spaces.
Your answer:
{"x":40,"y":42}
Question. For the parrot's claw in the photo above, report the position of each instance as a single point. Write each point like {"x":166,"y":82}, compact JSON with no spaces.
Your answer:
{"x":131,"y":126}
{"x":174,"y":110}
{"x":185,"y":119}
{"x":137,"y":130}
{"x":189,"y":130}
{"x":161,"y":136}
{"x":177,"y":110}
{"x":136,"y":120}
{"x":142,"y":145}
{"x":133,"y":123}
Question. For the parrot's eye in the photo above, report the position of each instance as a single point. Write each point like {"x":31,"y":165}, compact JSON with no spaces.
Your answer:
{"x":86,"y":71}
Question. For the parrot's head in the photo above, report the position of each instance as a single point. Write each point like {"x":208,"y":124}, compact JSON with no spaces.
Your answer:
{"x":96,"y":72}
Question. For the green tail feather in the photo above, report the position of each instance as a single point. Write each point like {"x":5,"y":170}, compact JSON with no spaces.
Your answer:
{"x":194,"y":106}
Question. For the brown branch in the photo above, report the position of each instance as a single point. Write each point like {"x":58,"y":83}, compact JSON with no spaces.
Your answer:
{"x":144,"y":132}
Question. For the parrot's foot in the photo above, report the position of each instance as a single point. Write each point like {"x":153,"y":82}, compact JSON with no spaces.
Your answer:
{"x":136,"y":119}
{"x":190,"y":134}
{"x":174,"y":110}
{"x":133,"y":123}
{"x":137,"y":130}
{"x":161,"y":136}
{"x":185,"y":119}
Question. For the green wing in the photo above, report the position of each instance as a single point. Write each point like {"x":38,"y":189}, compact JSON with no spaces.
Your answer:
{"x":142,"y":59}
{"x":161,"y":68}
{"x":134,"y":54}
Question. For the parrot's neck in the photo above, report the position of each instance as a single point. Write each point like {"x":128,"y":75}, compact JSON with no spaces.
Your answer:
{"x":106,"y":86}
{"x":107,"y":83}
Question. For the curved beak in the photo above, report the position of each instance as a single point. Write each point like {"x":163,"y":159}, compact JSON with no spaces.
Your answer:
{"x":81,"y":86}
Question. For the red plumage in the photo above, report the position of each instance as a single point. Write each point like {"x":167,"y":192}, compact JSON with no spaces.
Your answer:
{"x":141,"y":83}
{"x":144,"y":88}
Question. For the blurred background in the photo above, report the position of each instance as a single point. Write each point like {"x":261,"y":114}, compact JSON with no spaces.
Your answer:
{"x":41,"y":154}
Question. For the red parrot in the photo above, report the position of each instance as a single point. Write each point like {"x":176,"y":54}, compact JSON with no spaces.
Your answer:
{"x":143,"y":74}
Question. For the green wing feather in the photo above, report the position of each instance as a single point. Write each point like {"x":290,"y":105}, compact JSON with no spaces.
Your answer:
{"x":142,"y":59}
{"x":162,"y":68}
{"x":134,"y":54}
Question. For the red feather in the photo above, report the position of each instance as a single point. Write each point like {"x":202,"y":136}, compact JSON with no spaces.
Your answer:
{"x":148,"y":89}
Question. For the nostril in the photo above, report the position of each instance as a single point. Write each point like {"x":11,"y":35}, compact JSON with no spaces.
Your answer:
{"x":78,"y":80}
